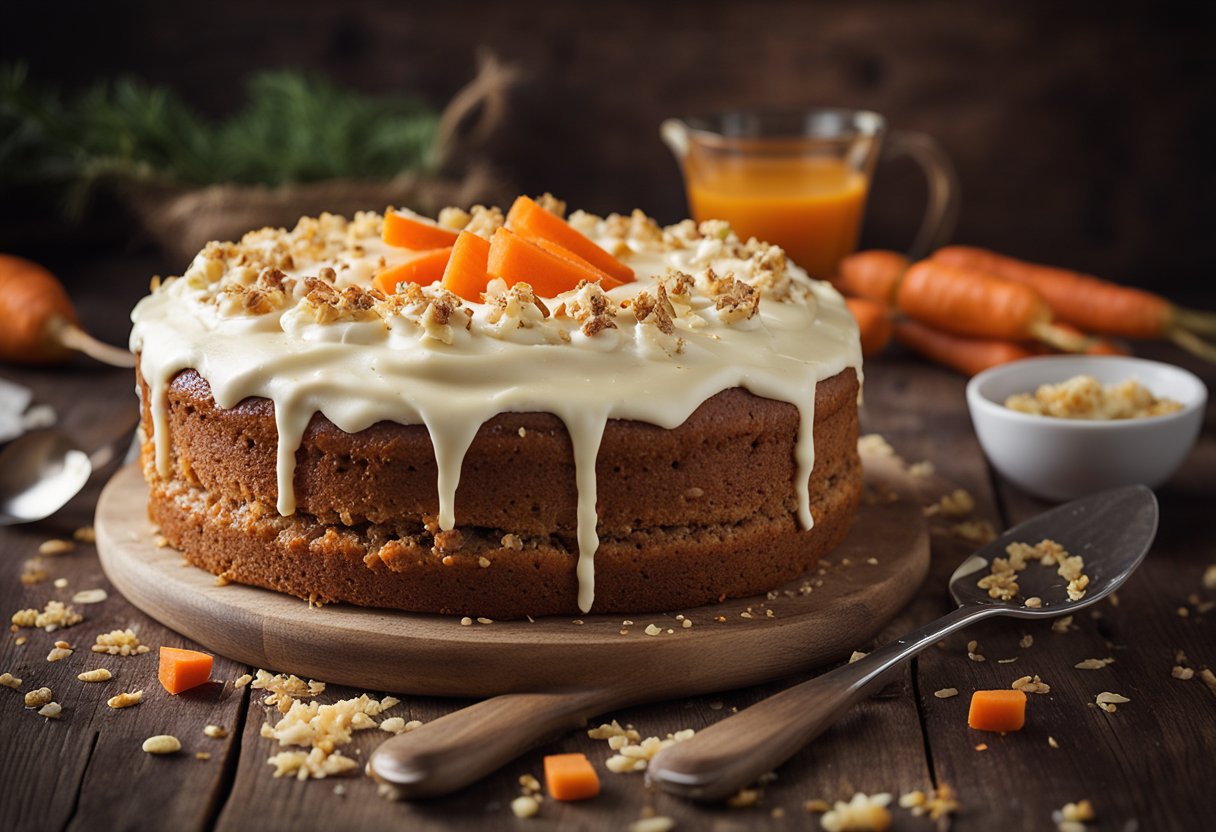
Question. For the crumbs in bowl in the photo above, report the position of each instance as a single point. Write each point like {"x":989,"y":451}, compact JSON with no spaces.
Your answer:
{"x":1084,"y":397}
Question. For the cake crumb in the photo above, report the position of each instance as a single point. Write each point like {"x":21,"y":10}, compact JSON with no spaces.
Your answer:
{"x":1093,"y":664}
{"x":285,"y":689}
{"x":937,"y":804}
{"x":1178,"y":672}
{"x":922,"y":470}
{"x":38,"y":698}
{"x":1062,"y":625}
{"x":658,"y":823}
{"x":744,"y":798}
{"x":525,"y":806}
{"x":1052,"y":742}
{"x":241,"y":681}
{"x":1108,"y":701}
{"x":1209,"y":577}
{"x":85,"y":534}
{"x":1034,"y":602}
{"x":216,"y":732}
{"x":60,"y":651}
{"x":957,"y":503}
{"x":483,"y":562}
{"x":946,"y":693}
{"x":8,"y":680}
{"x":483,"y":620}
{"x":1031,"y":684}
{"x":126,"y":700}
{"x":860,"y":814}
{"x":50,"y":548}
{"x":119,"y":643}
{"x":53,"y":616}
{"x":1208,"y":678}
{"x":202,"y":755}
{"x":162,"y":744}
{"x":51,"y":710}
{"x":466,"y":622}
{"x":90,"y":596}
{"x":60,"y":583}
{"x":1072,"y":817}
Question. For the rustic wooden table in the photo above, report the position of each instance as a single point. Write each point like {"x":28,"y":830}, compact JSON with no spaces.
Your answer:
{"x":1146,"y":767}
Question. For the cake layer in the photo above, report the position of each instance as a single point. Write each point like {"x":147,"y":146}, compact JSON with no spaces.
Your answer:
{"x":650,"y":570}
{"x":732,"y":460}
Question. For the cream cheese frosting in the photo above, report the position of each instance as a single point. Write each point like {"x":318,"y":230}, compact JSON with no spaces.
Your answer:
{"x":291,"y":317}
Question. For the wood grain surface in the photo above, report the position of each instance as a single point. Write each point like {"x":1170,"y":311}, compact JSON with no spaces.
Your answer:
{"x":1145,"y":767}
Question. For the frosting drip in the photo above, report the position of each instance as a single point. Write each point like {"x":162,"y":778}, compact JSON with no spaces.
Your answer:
{"x":255,"y":319}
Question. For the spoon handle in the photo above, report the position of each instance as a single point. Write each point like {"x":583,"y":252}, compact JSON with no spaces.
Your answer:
{"x":733,"y":753}
{"x":466,"y":745}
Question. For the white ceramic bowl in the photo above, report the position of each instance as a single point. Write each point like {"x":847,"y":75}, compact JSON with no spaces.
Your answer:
{"x":1062,"y":459}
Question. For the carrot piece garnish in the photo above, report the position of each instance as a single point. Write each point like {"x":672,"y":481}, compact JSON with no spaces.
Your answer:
{"x":997,"y":710}
{"x":530,"y":220}
{"x":516,"y":260}
{"x":607,"y":281}
{"x":466,"y":273}
{"x":405,"y":229}
{"x":181,"y":669}
{"x":424,"y":269}
{"x":570,"y":777}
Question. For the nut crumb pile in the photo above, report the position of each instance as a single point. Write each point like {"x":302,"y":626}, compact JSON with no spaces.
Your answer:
{"x":1084,"y":397}
{"x":1002,"y":582}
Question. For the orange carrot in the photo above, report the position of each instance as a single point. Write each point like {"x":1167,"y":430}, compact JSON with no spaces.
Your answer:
{"x":424,"y":269}
{"x":516,"y":260}
{"x":874,"y":321}
{"x":405,"y":229}
{"x":570,"y":777}
{"x":529,"y":219}
{"x":40,"y":325}
{"x":872,"y":274}
{"x":967,"y":355}
{"x":183,"y":669}
{"x":607,"y":281}
{"x":970,"y":302}
{"x":466,"y":273}
{"x":997,"y":710}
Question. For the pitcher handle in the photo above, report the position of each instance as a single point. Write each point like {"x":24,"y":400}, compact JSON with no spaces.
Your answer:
{"x":941,"y":214}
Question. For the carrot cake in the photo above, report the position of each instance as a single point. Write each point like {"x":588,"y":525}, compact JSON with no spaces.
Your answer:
{"x":597,"y":415}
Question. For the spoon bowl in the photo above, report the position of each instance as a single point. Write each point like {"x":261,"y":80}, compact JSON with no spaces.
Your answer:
{"x":39,"y":473}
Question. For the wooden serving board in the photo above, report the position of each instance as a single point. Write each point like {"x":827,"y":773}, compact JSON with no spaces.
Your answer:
{"x":865,"y":582}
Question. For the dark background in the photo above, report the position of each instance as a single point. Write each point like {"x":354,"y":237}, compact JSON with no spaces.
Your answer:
{"x":1083,"y":133}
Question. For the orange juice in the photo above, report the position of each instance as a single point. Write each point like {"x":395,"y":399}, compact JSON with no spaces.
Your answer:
{"x":811,"y":206}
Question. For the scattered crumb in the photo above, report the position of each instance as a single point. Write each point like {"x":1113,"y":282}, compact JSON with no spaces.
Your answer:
{"x":483,"y":562}
{"x":686,"y":623}
{"x":323,"y":727}
{"x":90,"y":596}
{"x":61,"y":650}
{"x":658,"y":823}
{"x":53,"y":616}
{"x":466,"y":622}
{"x":216,"y":732}
{"x":1052,"y":742}
{"x":85,"y":534}
{"x":1093,"y":664}
{"x":1062,"y":625}
{"x":922,"y":469}
{"x":1034,"y":602}
{"x":51,"y":710}
{"x":60,"y":583}
{"x":1209,"y":678}
{"x":241,"y":681}
{"x":524,"y":806}
{"x":979,"y":532}
{"x":860,"y":814}
{"x":1179,"y":672}
{"x":1028,"y":684}
{"x":10,"y":681}
{"x":162,"y":744}
{"x":483,"y":620}
{"x":744,"y":799}
{"x":125,"y":700}
{"x":1026,"y":642}
{"x":937,"y":804}
{"x":982,"y":747}
{"x":973,"y":651}
{"x":945,"y":693}
{"x":120,"y":643}
{"x":874,"y":444}
{"x":1073,"y":816}
{"x":652,"y":630}
{"x":283,"y":689}
{"x":1002,"y":582}
{"x":202,"y":755}
{"x":872,"y":561}
{"x":957,"y":503}
{"x":1209,"y":577}
{"x":315,"y":764}
{"x":1107,"y":701}
{"x":633,"y":753}
{"x":38,"y":698}
{"x":33,"y":572}
{"x":397,"y":725}
{"x":55,"y":547}
{"x":857,"y":656}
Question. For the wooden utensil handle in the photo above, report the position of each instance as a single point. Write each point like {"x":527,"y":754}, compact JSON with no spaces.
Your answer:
{"x":733,"y":753}
{"x":462,"y":747}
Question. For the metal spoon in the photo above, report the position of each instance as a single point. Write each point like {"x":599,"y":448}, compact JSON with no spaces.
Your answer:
{"x":1111,"y":530}
{"x":42,"y":470}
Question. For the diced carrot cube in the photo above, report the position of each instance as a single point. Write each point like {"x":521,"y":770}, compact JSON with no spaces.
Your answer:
{"x":181,"y":670}
{"x":570,"y":777}
{"x":997,"y":710}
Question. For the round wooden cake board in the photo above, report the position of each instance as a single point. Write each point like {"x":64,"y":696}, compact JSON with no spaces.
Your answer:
{"x":858,"y":588}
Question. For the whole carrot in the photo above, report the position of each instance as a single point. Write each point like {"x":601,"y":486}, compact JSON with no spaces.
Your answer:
{"x":967,"y":355}
{"x":872,"y":274}
{"x":1093,"y":304}
{"x":40,"y":325}
{"x":874,"y":322}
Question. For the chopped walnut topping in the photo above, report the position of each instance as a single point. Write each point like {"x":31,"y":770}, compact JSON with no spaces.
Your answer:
{"x":515,"y":308}
{"x":119,"y":643}
{"x":656,"y":310}
{"x":735,"y":300}
{"x":590,"y":307}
